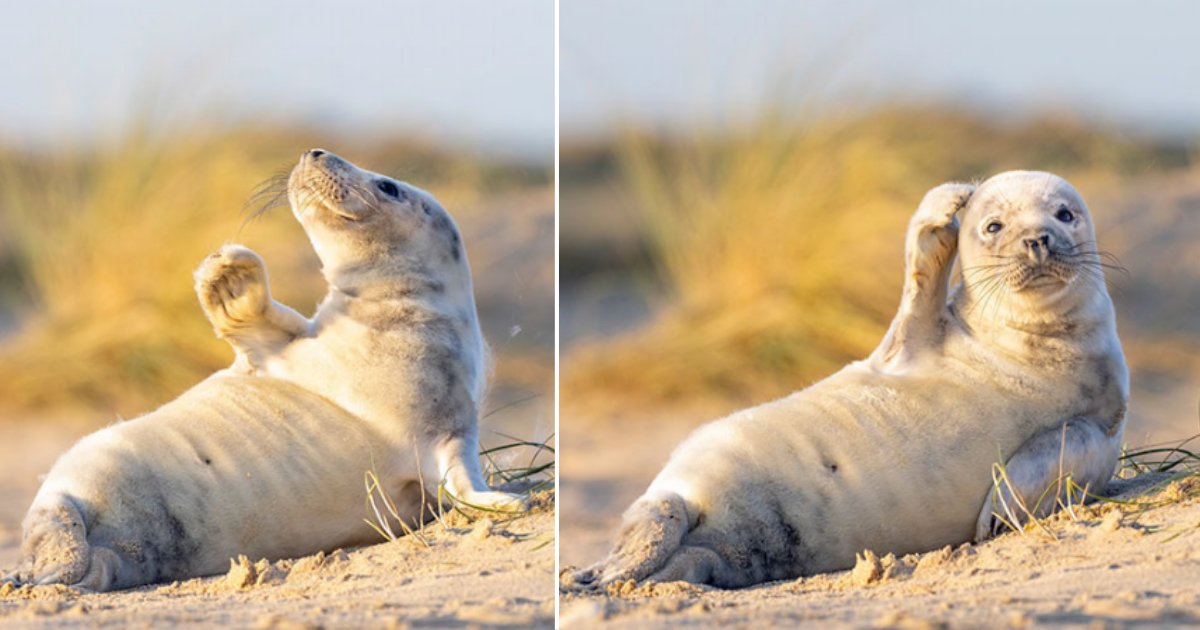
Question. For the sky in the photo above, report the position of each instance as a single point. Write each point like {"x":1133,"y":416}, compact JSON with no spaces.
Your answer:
{"x":1135,"y":64}
{"x":480,"y":73}
{"x":477,"y":73}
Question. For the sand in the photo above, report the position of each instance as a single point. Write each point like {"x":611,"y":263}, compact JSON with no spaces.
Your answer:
{"x":1107,"y":566}
{"x":483,"y":574}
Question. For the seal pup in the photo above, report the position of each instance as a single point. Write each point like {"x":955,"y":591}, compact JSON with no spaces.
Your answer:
{"x":1019,"y":365}
{"x":267,"y":457}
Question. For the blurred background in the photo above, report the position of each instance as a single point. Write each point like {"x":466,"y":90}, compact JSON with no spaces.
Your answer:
{"x":133,"y":133}
{"x":736,"y":178}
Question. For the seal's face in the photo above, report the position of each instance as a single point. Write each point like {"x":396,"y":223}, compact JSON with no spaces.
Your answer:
{"x":1028,"y":235}
{"x":357,"y":218}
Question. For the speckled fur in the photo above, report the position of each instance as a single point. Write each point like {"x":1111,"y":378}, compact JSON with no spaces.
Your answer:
{"x":267,"y":458}
{"x":895,"y":453}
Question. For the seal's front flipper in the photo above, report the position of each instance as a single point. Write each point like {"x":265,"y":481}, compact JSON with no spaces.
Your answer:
{"x":1048,"y":471}
{"x":493,"y":501}
{"x":929,"y":249}
{"x":652,"y":530}
{"x":462,"y":476}
{"x":236,"y":296}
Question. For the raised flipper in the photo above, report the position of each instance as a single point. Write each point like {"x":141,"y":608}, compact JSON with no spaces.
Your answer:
{"x":929,"y":249}
{"x":235,"y":295}
{"x":1034,"y":481}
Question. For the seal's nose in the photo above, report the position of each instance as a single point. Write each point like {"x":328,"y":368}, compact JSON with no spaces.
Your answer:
{"x":323,"y":158}
{"x":1039,"y":246}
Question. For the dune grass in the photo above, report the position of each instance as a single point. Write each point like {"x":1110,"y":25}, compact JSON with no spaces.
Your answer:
{"x":780,"y":245}
{"x":97,"y":248}
{"x":1182,"y":456}
{"x":104,"y":246}
{"x":532,"y":482}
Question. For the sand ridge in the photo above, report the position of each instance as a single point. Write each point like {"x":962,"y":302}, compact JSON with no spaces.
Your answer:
{"x":482,"y":571}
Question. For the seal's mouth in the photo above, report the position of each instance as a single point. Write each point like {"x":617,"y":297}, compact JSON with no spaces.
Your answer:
{"x":1053,"y":272}
{"x":1040,"y":279}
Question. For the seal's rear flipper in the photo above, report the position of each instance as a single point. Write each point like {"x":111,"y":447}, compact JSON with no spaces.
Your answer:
{"x":55,"y":549}
{"x":653,"y":529}
{"x":1050,"y":469}
{"x":697,"y":565}
{"x":102,"y":571}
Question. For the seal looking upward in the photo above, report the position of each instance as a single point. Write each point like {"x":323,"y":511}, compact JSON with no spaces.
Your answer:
{"x":266,"y":458}
{"x":1019,"y":365}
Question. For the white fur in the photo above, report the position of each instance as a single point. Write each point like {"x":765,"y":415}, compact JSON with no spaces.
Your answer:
{"x":268,"y":457}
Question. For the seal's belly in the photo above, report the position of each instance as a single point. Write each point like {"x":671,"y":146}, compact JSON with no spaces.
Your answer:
{"x":860,"y":461}
{"x":237,"y":465}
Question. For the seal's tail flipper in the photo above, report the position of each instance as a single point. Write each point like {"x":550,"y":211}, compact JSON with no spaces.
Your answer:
{"x":56,"y":551}
{"x":652,"y":529}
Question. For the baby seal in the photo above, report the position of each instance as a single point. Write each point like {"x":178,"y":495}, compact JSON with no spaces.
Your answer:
{"x":1020,"y":366}
{"x":267,"y":458}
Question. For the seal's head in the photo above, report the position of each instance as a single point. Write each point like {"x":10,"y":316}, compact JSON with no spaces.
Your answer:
{"x":1027,"y":241}
{"x":362,"y":222}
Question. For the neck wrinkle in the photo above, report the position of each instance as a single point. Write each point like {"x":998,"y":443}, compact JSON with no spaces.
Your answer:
{"x":411,"y":293}
{"x":389,"y":289}
{"x":1008,"y":331}
{"x":403,"y":278}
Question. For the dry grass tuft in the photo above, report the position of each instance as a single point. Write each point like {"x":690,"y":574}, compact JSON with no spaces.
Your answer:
{"x":104,"y":246}
{"x":97,"y":248}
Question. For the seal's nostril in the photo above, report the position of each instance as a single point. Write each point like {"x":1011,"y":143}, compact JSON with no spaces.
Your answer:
{"x":316,"y":153}
{"x":1041,"y":242}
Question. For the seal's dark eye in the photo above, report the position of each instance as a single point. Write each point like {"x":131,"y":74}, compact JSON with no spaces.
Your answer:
{"x":993,"y":227}
{"x":388,"y":188}
{"x":1064,"y":215}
